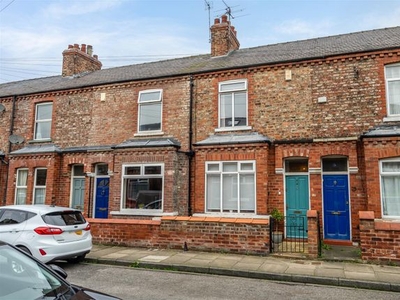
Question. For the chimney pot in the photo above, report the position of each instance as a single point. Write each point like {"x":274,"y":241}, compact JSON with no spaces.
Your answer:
{"x":216,"y":21}
{"x":224,"y":18}
{"x":83,"y":48}
{"x":95,"y":56}
{"x":90,"y":50}
{"x":70,"y":46}
{"x":76,"y":46}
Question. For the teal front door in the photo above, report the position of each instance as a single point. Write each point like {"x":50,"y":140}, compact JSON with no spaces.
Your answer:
{"x":78,"y":193}
{"x":336,"y":207}
{"x":297,"y":204}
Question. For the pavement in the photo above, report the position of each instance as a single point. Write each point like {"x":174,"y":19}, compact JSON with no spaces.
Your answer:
{"x":339,"y":266}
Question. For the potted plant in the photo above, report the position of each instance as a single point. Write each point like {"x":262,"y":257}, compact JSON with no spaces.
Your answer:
{"x":277,"y":215}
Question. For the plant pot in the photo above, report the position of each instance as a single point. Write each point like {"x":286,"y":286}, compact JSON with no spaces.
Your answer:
{"x":277,"y":237}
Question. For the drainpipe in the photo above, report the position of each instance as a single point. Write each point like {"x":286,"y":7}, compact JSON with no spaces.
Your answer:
{"x":191,"y":152}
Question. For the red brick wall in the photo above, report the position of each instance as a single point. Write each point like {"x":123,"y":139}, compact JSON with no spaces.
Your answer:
{"x":379,"y":239}
{"x":203,"y":234}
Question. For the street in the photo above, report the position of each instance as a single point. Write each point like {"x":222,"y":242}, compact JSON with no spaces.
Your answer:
{"x":132,"y":283}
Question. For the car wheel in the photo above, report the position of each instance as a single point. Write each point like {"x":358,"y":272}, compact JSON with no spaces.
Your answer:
{"x":77,"y":259}
{"x":26,"y":250}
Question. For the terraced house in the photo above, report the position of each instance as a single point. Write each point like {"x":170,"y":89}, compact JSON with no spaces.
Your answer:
{"x":198,"y":151}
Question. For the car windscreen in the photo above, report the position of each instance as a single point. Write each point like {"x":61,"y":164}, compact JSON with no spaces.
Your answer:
{"x":64,"y":218}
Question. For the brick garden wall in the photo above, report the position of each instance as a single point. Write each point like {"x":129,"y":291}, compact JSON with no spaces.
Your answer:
{"x":247,"y":236}
{"x":379,"y":239}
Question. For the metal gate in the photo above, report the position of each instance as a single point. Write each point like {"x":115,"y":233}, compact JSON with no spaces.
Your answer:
{"x":288,"y":235}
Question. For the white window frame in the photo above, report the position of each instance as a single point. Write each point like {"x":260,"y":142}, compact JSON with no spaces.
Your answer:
{"x":37,"y":134}
{"x":21,"y":187}
{"x":74,"y":176}
{"x":37,"y":188}
{"x":389,"y":99}
{"x":224,"y":89}
{"x":142,"y":176}
{"x":382,"y":175}
{"x":216,"y":168}
{"x":147,"y":103}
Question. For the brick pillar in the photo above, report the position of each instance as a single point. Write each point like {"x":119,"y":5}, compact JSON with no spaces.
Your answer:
{"x":313,"y":238}
{"x":367,"y":232}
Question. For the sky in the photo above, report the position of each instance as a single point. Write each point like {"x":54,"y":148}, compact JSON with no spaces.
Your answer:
{"x":34,"y":33}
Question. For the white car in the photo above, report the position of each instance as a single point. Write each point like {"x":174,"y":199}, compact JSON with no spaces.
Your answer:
{"x":47,"y":232}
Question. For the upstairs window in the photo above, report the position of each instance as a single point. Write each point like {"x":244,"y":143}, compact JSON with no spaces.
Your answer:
{"x":39,"y":188}
{"x":390,"y":187}
{"x":232,"y":104}
{"x":150,"y":107}
{"x":393,"y":89}
{"x":43,"y":117}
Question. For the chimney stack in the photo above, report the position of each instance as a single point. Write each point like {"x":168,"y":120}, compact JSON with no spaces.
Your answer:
{"x":223,"y":37}
{"x":77,"y":60}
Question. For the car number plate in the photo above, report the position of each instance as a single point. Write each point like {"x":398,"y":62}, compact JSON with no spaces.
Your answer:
{"x":78,"y":232}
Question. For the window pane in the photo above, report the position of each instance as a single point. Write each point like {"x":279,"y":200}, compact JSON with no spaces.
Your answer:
{"x":39,"y":195}
{"x":41,"y":177}
{"x":44,"y":111}
{"x":213,"y":192}
{"x":213,"y":167}
{"x":150,"y":117}
{"x":143,"y":193}
{"x":295,"y":166}
{"x":394,"y":97}
{"x":22,"y":177}
{"x":150,"y":96}
{"x":226,"y":110}
{"x":393,"y":166}
{"x":229,"y":192}
{"x":152,"y":170}
{"x":247,"y":197}
{"x":132,"y":170}
{"x":334,"y":164}
{"x":102,"y":169}
{"x":230,"y":167}
{"x":78,"y":171}
{"x":391,"y":195}
{"x":393,"y":72}
{"x":240,"y":109}
{"x":234,"y":86}
{"x":20,"y":197}
{"x":43,"y":130}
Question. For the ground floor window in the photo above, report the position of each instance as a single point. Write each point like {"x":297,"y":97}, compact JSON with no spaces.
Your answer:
{"x":230,"y":187}
{"x":21,"y":186}
{"x":390,"y":187}
{"x":39,"y":188}
{"x":142,"y":186}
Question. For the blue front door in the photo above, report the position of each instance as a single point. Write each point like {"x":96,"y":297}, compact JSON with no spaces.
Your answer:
{"x":297,"y":204}
{"x":102,"y":191}
{"x":336,"y":207}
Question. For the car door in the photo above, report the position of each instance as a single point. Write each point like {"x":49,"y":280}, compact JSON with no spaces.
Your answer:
{"x":12,"y":224}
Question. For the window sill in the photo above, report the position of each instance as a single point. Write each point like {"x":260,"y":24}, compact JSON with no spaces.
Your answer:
{"x":232,"y":215}
{"x":149,"y":133}
{"x":391,"y":119}
{"x":142,"y":212}
{"x":239,"y":128}
{"x":40,"y":141}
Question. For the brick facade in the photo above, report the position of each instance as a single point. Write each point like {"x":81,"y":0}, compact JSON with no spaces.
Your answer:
{"x":310,"y":110}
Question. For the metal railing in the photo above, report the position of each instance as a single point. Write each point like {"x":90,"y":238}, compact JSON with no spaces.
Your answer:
{"x":288,"y":235}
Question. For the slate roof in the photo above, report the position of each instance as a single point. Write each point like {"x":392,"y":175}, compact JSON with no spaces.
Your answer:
{"x":383,"y":131}
{"x":358,"y":42}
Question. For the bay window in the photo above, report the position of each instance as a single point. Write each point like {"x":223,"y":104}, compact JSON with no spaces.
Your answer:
{"x":142,"y":186}
{"x":230,"y":187}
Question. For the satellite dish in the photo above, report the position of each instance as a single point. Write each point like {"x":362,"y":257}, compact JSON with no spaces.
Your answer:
{"x":2,"y":108}
{"x":15,"y":139}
